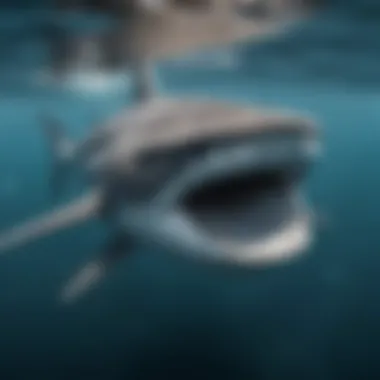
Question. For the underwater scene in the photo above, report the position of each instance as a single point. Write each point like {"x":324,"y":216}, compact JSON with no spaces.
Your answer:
{"x":159,"y":314}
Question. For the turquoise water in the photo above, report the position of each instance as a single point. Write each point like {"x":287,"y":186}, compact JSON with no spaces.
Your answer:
{"x":159,"y":315}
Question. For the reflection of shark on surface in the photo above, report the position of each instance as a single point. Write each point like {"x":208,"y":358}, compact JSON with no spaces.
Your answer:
{"x":81,"y":39}
{"x":210,"y":179}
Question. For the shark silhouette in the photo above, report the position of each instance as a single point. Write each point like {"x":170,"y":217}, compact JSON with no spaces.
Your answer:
{"x":213,"y":180}
{"x":146,"y":30}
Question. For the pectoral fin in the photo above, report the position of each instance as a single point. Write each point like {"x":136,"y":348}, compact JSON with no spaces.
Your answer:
{"x":65,"y":217}
{"x":93,"y":272}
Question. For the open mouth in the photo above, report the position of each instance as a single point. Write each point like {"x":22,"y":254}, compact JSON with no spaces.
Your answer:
{"x":242,"y":207}
{"x":241,"y":204}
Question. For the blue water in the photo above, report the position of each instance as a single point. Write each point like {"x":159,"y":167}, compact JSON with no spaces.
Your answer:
{"x":160,"y":316}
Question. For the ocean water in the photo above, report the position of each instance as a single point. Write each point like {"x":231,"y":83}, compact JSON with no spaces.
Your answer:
{"x":159,"y":316}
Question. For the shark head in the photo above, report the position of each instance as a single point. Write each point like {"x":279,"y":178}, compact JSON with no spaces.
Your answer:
{"x":229,"y":192}
{"x":240,"y":203}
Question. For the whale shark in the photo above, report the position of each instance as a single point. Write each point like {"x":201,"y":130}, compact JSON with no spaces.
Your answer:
{"x":213,"y":180}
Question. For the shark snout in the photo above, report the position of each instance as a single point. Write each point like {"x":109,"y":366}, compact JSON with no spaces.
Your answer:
{"x":241,"y":203}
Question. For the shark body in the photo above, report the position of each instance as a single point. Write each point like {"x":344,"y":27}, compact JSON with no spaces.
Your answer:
{"x":211,"y":179}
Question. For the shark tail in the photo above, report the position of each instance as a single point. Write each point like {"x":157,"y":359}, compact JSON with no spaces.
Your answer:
{"x":67,"y":216}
